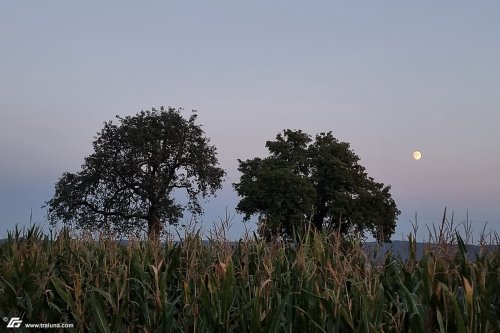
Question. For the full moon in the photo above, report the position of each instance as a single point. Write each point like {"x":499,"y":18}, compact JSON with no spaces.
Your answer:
{"x":417,"y":155}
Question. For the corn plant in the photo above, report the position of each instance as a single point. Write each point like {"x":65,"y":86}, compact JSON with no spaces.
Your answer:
{"x":317,"y":283}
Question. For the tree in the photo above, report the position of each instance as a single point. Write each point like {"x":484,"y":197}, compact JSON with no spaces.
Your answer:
{"x":138,"y":167}
{"x":318,"y":182}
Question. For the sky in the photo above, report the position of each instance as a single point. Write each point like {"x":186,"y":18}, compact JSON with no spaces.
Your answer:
{"x":388,"y":77}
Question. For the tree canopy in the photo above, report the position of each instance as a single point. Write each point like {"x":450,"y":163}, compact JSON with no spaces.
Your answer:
{"x":131,"y":180}
{"x":319,"y":182}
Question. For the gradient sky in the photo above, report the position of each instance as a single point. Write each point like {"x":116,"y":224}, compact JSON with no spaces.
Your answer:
{"x":387,"y":76}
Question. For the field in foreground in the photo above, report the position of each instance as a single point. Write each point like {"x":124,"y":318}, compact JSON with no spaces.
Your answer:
{"x":317,"y":285}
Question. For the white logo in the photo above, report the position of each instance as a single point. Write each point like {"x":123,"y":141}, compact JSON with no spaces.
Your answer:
{"x":14,"y":322}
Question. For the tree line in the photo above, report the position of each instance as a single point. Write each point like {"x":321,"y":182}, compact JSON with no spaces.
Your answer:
{"x":141,"y":164}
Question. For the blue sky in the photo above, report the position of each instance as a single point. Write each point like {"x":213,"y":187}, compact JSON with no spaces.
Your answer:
{"x":388,"y":77}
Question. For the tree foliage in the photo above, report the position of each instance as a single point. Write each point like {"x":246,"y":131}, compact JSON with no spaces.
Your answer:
{"x":320,"y":182}
{"x":129,"y":183}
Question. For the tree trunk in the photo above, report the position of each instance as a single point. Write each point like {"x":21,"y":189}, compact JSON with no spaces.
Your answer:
{"x":319,"y":216}
{"x":317,"y":221}
{"x":154,"y":226}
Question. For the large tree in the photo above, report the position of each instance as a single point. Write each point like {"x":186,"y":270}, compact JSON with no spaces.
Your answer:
{"x":320,"y":182}
{"x":139,"y":168}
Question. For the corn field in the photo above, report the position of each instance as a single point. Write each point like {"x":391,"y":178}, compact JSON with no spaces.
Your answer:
{"x":318,"y":284}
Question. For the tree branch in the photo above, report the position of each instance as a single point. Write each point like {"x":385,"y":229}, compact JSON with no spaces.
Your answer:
{"x":106,"y":213}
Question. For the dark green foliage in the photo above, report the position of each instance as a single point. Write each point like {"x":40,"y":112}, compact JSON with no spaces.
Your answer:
{"x":319,"y":182}
{"x":128,"y":183}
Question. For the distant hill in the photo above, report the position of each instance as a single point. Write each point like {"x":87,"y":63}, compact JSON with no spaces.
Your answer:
{"x":399,"y":249}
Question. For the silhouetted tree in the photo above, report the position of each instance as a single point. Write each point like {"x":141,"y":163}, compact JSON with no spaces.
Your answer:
{"x":129,"y":181}
{"x":318,"y":182}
